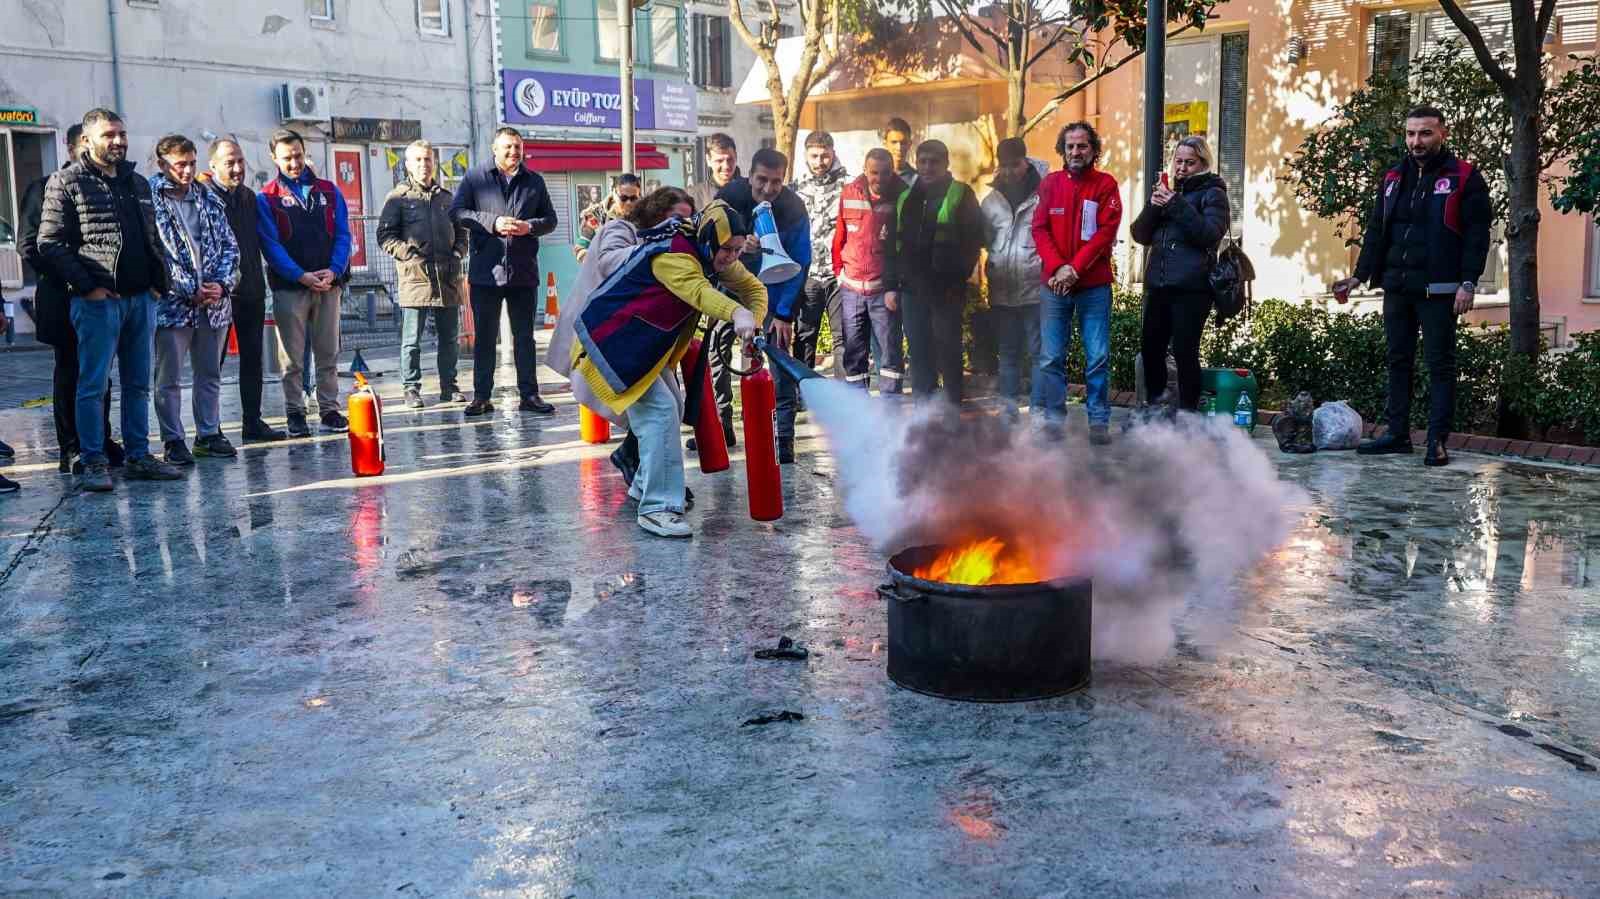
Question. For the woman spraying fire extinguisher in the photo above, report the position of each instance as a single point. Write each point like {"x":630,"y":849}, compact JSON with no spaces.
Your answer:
{"x":638,"y":325}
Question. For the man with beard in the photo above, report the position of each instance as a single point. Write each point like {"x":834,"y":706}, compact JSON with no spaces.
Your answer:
{"x":1074,"y":227}
{"x":1426,"y":244}
{"x":765,"y":185}
{"x":819,"y":190}
{"x":938,"y":236}
{"x":1013,"y":264}
{"x":53,"y":316}
{"x":98,"y":234}
{"x":861,"y":241}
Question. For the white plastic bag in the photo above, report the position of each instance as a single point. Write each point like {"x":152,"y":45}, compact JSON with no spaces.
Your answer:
{"x":1335,"y":426}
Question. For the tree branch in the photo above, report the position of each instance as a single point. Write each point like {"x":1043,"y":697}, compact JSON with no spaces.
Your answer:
{"x":1547,"y":11}
{"x":1059,"y":36}
{"x":1480,"y":48}
{"x":1055,"y":102}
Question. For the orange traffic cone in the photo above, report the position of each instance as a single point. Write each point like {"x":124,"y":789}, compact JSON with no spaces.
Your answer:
{"x":552,"y":307}
{"x":233,"y":341}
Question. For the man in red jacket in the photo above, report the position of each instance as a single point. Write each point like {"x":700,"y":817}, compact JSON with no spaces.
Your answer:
{"x":866,"y":212}
{"x":1074,"y":227}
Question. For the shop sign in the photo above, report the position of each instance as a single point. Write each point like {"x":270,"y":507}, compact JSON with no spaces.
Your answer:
{"x":381,"y":131}
{"x":18,"y":115}
{"x":595,"y":101}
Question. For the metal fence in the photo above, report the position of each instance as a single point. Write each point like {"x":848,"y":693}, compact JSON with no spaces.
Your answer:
{"x":369,"y":310}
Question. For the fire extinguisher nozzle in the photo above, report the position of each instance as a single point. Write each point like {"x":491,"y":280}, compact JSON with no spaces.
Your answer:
{"x":784,"y":362}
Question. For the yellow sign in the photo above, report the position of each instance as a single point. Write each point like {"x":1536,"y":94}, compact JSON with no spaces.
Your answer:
{"x":18,"y":115}
{"x":1195,"y":115}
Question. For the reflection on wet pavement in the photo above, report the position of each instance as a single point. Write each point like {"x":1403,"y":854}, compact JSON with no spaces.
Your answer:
{"x":476,"y":675}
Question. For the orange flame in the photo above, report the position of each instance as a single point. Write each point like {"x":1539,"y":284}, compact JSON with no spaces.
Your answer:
{"x":979,"y":563}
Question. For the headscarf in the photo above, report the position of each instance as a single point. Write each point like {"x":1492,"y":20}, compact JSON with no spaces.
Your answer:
{"x":717,"y":224}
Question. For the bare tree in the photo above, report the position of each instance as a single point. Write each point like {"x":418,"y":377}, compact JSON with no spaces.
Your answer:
{"x":1097,"y":37}
{"x":819,"y":53}
{"x":1522,"y":84}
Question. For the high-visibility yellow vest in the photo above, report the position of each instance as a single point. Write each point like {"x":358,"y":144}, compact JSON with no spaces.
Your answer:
{"x":942,"y":229}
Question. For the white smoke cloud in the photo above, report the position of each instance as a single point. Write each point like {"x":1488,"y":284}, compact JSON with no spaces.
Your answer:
{"x":1161,"y":522}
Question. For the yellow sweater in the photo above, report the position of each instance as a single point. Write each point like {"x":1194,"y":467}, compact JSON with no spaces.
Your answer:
{"x":680,"y":273}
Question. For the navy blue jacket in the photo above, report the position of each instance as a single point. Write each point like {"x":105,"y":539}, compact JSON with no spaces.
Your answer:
{"x":503,"y":261}
{"x":794,"y":231}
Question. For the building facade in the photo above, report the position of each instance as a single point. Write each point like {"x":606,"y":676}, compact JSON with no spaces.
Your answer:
{"x":722,"y":61}
{"x":359,"y":80}
{"x":558,"y":66}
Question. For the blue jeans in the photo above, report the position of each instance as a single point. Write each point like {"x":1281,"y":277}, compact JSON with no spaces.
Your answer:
{"x":655,"y":419}
{"x":1017,"y":335}
{"x":447,"y":322}
{"x":122,"y":329}
{"x":1092,"y":306}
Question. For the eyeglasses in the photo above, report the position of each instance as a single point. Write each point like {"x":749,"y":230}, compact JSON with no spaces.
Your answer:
{"x":627,"y":199}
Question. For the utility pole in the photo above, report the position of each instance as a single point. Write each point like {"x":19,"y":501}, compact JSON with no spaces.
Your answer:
{"x":625,"y":54}
{"x":1155,"y":92}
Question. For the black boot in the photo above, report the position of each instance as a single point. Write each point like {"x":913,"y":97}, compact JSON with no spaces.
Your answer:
{"x":626,"y":458}
{"x":730,"y":437}
{"x":1386,"y":445}
{"x":785,"y":450}
{"x":1438,"y":455}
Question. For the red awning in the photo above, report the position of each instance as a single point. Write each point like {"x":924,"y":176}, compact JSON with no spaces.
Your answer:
{"x":556,"y":156}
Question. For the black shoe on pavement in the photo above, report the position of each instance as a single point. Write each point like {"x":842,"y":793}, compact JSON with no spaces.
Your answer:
{"x":785,"y":450}
{"x":178,"y":453}
{"x":690,"y":447}
{"x":216,"y":446}
{"x":479,"y":407}
{"x":414,"y":398}
{"x":298,"y":426}
{"x":1438,"y":454}
{"x":116,"y":456}
{"x":688,"y":500}
{"x":334,"y":423}
{"x":149,"y":468}
{"x":452,"y":395}
{"x":6,"y":452}
{"x":626,"y":458}
{"x":1388,"y":444}
{"x":729,"y":435}
{"x":259,"y":431}
{"x":535,"y":404}
{"x":8,"y":486}
{"x":96,"y":478}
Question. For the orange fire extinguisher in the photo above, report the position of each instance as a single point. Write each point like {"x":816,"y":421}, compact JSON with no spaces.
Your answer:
{"x":764,"y":480}
{"x":592,"y":426}
{"x":709,"y":441}
{"x":366,"y":430}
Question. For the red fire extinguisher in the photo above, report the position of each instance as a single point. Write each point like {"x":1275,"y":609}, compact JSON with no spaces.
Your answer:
{"x":765,"y":481}
{"x":710,"y":444}
{"x":366,"y":430}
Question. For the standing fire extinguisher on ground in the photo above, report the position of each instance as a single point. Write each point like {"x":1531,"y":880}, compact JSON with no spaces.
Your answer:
{"x":764,"y":478}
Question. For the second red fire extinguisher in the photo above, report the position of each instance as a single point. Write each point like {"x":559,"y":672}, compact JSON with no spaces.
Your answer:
{"x":765,"y":480}
{"x":710,"y":444}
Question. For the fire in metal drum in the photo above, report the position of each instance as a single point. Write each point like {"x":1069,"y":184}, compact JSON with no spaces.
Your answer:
{"x":1001,"y":643}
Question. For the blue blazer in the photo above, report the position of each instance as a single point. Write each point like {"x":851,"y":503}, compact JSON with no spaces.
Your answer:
{"x":480,"y":199}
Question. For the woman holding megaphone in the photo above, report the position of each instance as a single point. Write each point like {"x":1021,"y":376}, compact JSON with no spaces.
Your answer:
{"x":637,"y":326}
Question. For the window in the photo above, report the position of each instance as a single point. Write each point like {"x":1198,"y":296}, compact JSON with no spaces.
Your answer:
{"x":713,"y":51}
{"x":1594,"y":258}
{"x":320,"y":9}
{"x":1391,"y":42}
{"x":1400,"y":35}
{"x":1231,"y":123}
{"x":666,"y":51}
{"x":606,"y":34}
{"x":433,"y":17}
{"x":544,"y":28}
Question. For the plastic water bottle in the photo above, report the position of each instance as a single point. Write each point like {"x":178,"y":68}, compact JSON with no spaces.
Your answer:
{"x":1244,"y":414}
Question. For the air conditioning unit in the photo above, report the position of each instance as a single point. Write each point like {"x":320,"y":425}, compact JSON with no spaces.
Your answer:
{"x":301,"y":101}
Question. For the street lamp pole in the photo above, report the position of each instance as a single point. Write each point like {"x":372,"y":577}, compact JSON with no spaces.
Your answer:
{"x":1155,"y":92}
{"x":625,"y":53}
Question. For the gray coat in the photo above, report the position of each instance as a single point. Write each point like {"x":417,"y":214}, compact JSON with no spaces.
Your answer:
{"x":1013,"y":266}
{"x":428,"y":247}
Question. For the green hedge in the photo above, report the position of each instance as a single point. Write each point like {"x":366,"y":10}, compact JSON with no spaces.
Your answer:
{"x":1341,"y":355}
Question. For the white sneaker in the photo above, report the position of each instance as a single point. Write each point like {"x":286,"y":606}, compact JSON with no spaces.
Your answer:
{"x":665,"y":524}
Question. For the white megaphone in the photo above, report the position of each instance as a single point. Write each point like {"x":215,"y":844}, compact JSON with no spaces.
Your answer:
{"x":776,"y":266}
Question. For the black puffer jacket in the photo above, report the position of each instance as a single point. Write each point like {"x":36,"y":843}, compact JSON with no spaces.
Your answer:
{"x":81,"y":231}
{"x":50,"y":313}
{"x":1183,"y":235}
